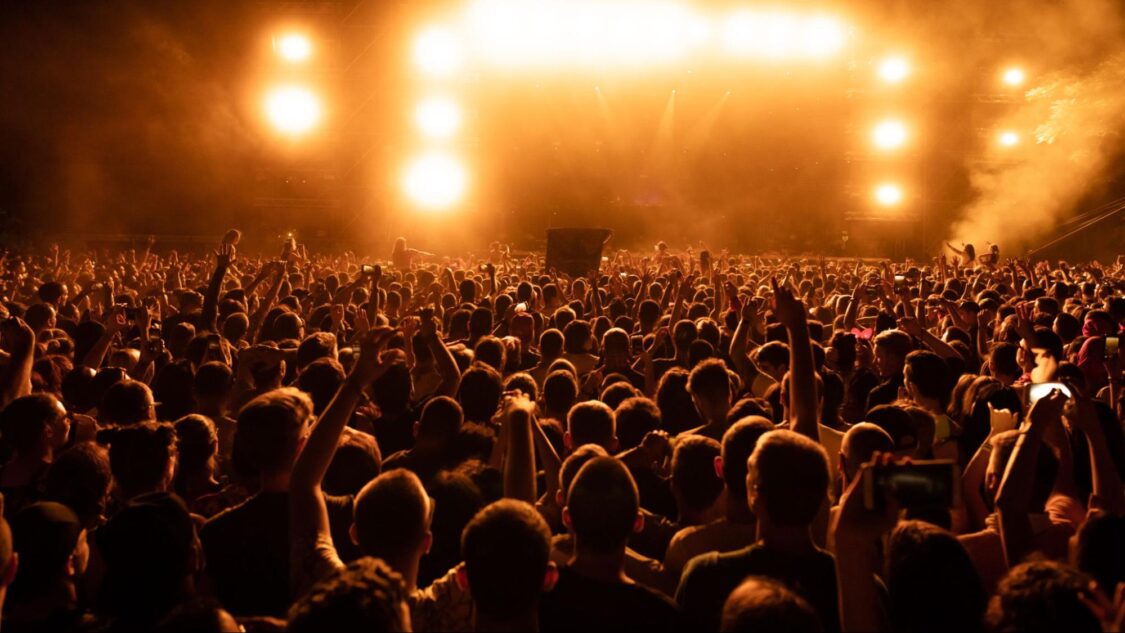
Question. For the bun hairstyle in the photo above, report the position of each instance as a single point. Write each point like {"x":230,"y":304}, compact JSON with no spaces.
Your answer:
{"x":139,"y":455}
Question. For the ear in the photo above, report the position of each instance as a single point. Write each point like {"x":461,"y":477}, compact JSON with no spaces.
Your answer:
{"x":462,"y":576}
{"x":568,"y":442}
{"x":353,"y":535}
{"x":719,"y":466}
{"x":551,"y":577}
{"x":566,"y":518}
{"x":639,"y":523}
{"x":559,"y":501}
{"x":614,"y":444}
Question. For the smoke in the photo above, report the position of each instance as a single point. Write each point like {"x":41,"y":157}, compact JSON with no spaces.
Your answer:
{"x":1070,"y":121}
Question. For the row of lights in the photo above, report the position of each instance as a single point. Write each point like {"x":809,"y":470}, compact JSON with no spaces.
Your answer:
{"x":293,"y":108}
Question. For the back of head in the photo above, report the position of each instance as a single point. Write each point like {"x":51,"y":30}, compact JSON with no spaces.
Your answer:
{"x":441,"y":419}
{"x":765,"y":605}
{"x":574,"y":462}
{"x":196,"y":441}
{"x":635,"y":417}
{"x":592,"y":422}
{"x":897,"y":423}
{"x":695,"y":483}
{"x":79,"y":478}
{"x":860,"y":443}
{"x":787,"y":478}
{"x":321,"y":379}
{"x":367,"y":596}
{"x":738,"y":444}
{"x":709,"y":382}
{"x":45,"y":535}
{"x":1041,"y":596}
{"x":391,"y":391}
{"x":213,"y":380}
{"x":392,"y":515}
{"x":24,"y":422}
{"x":602,"y":504}
{"x":506,"y":548}
{"x":1100,"y":550}
{"x":479,"y":395}
{"x":560,"y":391}
{"x":269,"y":432}
{"x":551,"y":344}
{"x":929,"y":374}
{"x":140,"y":456}
{"x":576,"y":336}
{"x":316,"y":345}
{"x":924,"y":561}
{"x":127,"y":402}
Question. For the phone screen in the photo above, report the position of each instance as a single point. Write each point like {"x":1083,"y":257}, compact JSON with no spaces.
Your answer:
{"x":1039,"y":390}
{"x":932,"y":483}
{"x":1111,"y":346}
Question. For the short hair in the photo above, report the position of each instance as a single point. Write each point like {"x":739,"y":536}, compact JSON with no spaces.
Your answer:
{"x":441,"y":418}
{"x":213,"y":379}
{"x":737,"y":446}
{"x":924,"y":561}
{"x":575,"y":461}
{"x":506,"y":548}
{"x":1048,"y":340}
{"x":635,"y":417}
{"x":269,"y":431}
{"x":126,"y":402}
{"x":1041,"y":596}
{"x":196,"y":441}
{"x":591,"y":422}
{"x":1100,"y":550}
{"x":391,"y":513}
{"x":479,"y":395}
{"x":709,"y":381}
{"x":80,"y":478}
{"x":391,"y":391}
{"x":491,"y":351}
{"x":367,"y":595}
{"x":618,"y":391}
{"x":861,"y":442}
{"x":576,"y":335}
{"x":602,"y":503}
{"x":522,"y":381}
{"x":321,"y":379}
{"x":766,"y":605}
{"x":560,"y":390}
{"x":775,"y":353}
{"x":677,"y":412}
{"x":551,"y":343}
{"x":315,"y":346}
{"x":694,"y":479}
{"x":139,"y":455}
{"x":789,"y":476}
{"x":25,"y":419}
{"x":896,"y":342}
{"x":1004,"y":357}
{"x":616,"y":339}
{"x":897,"y":423}
{"x":929,"y":374}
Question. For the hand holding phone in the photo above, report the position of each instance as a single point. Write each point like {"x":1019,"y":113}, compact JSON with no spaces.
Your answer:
{"x":931,"y":483}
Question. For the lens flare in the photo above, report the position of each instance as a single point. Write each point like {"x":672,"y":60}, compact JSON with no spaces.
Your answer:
{"x":1013,"y":76}
{"x":1008,"y":138}
{"x":894,"y":70}
{"x":294,"y":47}
{"x":437,"y":51}
{"x":293,"y":109}
{"x":435,"y":182}
{"x":890,"y":134}
{"x":438,"y":117}
{"x":888,"y":194}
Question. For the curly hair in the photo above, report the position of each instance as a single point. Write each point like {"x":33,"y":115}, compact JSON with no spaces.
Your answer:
{"x":367,"y":595}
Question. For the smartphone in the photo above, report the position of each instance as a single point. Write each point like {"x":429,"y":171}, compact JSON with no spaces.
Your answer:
{"x":1111,"y":343}
{"x":1042,"y":389}
{"x":155,"y":345}
{"x":929,"y":483}
{"x":900,"y":283}
{"x":367,"y":269}
{"x":521,"y":306}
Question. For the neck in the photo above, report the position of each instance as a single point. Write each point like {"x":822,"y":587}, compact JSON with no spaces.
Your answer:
{"x":406,"y":566}
{"x":275,"y":483}
{"x":929,"y":404}
{"x":784,"y":538}
{"x":212,"y":410}
{"x":526,"y":622}
{"x":738,"y":511}
{"x":603,"y":566}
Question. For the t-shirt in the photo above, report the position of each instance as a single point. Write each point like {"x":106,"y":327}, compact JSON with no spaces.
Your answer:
{"x":708,"y":580}
{"x":885,"y":392}
{"x":718,"y":536}
{"x":578,"y":603}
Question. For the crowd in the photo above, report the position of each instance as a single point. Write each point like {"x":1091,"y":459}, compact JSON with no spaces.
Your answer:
{"x":681,"y":440}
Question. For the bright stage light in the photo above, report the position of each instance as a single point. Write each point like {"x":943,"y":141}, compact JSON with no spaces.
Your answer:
{"x":438,"y":117}
{"x":1008,"y":138}
{"x":437,"y":51}
{"x":435,"y":181}
{"x":894,"y":70}
{"x":293,"y":109}
{"x":888,"y":194}
{"x":293,"y":47}
{"x":774,"y":35}
{"x":889,"y":134}
{"x":1013,"y":76}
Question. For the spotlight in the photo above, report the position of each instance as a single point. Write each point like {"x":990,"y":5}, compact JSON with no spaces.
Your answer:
{"x":1013,"y":76}
{"x":293,"y":47}
{"x":1008,"y":138}
{"x":293,"y":109}
{"x":888,"y":194}
{"x":435,"y":181}
{"x":890,"y":134}
{"x":437,"y":52}
{"x":894,"y":70}
{"x":438,"y":117}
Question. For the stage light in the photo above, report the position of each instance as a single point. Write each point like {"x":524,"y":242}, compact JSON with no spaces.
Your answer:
{"x":293,"y":109}
{"x":293,"y":47}
{"x":438,"y":117}
{"x":888,"y":194}
{"x":1008,"y":138}
{"x":890,"y":134}
{"x":435,"y":181}
{"x":894,"y":70}
{"x":1013,"y":76}
{"x":437,"y":51}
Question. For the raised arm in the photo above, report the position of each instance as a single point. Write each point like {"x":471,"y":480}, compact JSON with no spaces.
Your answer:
{"x":19,"y":338}
{"x":445,"y":364}
{"x":224,"y":257}
{"x":802,"y":376}
{"x":739,"y":344}
{"x":267,"y":302}
{"x":519,"y":463}
{"x":856,"y":537}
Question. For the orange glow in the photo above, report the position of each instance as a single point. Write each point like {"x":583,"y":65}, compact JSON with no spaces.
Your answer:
{"x":437,"y":51}
{"x":293,"y":47}
{"x":435,"y":182}
{"x":293,"y":109}
{"x":890,"y":134}
{"x":894,"y":70}
{"x":1013,"y":76}
{"x":1008,"y":138}
{"x":888,"y":194}
{"x":438,"y":117}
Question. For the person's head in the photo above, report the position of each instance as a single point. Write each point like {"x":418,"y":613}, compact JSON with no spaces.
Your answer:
{"x":860,"y":443}
{"x":927,"y":377}
{"x":550,"y":345}
{"x":172,"y":388}
{"x":80,"y":478}
{"x":491,"y":351}
{"x":924,"y":561}
{"x":577,"y":337}
{"x":127,"y":402}
{"x":479,"y":395}
{"x":1002,"y":363}
{"x":710,"y":390}
{"x":151,"y":552}
{"x":235,"y":327}
{"x":34,"y":426}
{"x":142,"y":457}
{"x":51,"y":544}
{"x":367,"y":596}
{"x":591,"y":422}
{"x":787,"y":479}
{"x":737,"y":446}
{"x":196,"y":445}
{"x":773,"y":359}
{"x":617,"y":391}
{"x":392,"y":390}
{"x":1046,"y":468}
{"x":317,"y":345}
{"x":440,"y":421}
{"x":506,"y":548}
{"x":635,"y":417}
{"x":212,"y":387}
{"x":1098,"y":549}
{"x":560,"y":392}
{"x":696,"y":483}
{"x":1041,"y":596}
{"x":271,"y":430}
{"x":602,"y":506}
{"x":677,"y":411}
{"x":321,"y":379}
{"x":898,"y":424}
{"x":392,"y":519}
{"x":766,"y":605}
{"x":891,"y":348}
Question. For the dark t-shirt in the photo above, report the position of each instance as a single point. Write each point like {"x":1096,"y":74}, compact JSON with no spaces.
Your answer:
{"x":708,"y":580}
{"x":885,"y":392}
{"x":247,"y":552}
{"x":578,"y":603}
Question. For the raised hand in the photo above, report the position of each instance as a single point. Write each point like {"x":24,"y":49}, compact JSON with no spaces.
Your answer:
{"x":789,"y":310}
{"x":371,"y":363}
{"x":225,"y":255}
